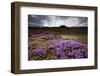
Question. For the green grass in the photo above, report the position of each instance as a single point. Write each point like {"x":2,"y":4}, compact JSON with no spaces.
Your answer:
{"x":80,"y":38}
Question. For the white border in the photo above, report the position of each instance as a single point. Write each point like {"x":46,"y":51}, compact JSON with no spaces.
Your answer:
{"x":25,"y":64}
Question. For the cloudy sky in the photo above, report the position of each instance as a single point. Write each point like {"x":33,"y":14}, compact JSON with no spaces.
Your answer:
{"x":56,"y":21}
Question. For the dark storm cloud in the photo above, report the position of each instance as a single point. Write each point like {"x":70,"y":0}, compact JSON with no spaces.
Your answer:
{"x":35,"y":20}
{"x":55,"y":21}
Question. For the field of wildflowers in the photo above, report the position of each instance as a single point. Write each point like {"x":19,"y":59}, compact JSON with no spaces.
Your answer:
{"x":46,"y":45}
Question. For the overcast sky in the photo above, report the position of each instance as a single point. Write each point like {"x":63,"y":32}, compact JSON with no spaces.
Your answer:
{"x":56,"y":21}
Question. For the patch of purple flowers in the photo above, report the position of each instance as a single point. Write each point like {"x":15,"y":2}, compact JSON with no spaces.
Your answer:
{"x":39,"y":51}
{"x":61,"y":48}
{"x":69,"y":49}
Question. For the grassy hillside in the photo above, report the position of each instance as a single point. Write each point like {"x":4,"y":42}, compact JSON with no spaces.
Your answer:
{"x":44,"y":37}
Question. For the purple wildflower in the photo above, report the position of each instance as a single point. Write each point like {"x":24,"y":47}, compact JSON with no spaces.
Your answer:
{"x":39,"y":51}
{"x":77,"y":54}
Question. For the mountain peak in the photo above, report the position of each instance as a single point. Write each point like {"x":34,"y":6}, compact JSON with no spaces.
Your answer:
{"x":63,"y":26}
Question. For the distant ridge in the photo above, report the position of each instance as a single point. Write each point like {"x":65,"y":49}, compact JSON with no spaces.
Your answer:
{"x":63,"y":29}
